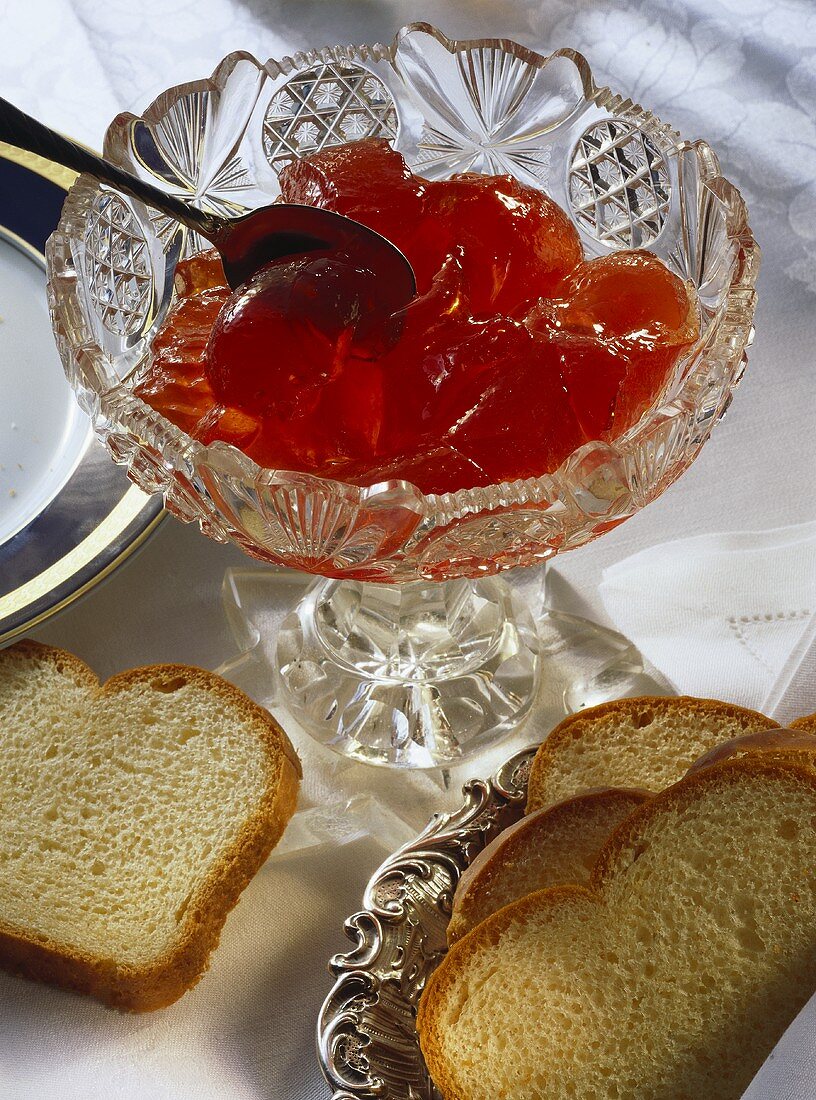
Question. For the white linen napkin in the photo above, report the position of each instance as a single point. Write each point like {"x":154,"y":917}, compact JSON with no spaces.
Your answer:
{"x":719,"y":615}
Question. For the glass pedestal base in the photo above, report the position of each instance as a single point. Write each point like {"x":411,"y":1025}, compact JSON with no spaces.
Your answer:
{"x":407,"y":677}
{"x":413,"y":676}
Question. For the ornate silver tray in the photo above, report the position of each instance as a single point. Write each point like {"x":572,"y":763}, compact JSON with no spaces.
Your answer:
{"x":366,"y":1037}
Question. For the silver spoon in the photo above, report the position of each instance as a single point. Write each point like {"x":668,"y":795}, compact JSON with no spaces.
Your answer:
{"x":246,"y":243}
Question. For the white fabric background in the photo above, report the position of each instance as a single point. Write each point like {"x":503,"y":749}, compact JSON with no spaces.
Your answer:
{"x":741,"y":73}
{"x":745,"y":598}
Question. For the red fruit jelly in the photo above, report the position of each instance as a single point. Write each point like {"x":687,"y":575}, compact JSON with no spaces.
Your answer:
{"x":621,"y":322}
{"x":514,"y":352}
{"x":515,"y":243}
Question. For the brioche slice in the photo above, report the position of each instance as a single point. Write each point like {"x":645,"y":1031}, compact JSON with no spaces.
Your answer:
{"x":670,"y":978}
{"x":547,"y":848}
{"x":645,"y":743}
{"x":808,"y":722}
{"x":132,"y":815}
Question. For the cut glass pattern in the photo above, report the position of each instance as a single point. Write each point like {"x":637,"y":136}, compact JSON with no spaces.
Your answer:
{"x":117,"y":265}
{"x":619,"y":185}
{"x":625,"y":178}
{"x":324,"y":105}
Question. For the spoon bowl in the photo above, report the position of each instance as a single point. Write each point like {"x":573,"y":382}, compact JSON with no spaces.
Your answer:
{"x":248,"y":243}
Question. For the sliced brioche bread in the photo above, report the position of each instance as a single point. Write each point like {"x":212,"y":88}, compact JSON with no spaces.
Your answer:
{"x":546,"y":848}
{"x":132,"y":815}
{"x":808,"y":722}
{"x":670,"y":978}
{"x":643,"y":743}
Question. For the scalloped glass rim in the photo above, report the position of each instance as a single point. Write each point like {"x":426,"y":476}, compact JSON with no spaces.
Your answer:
{"x":601,"y":484}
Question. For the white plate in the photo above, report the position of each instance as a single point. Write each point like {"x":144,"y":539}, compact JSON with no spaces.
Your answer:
{"x":68,"y":516}
{"x":43,"y":433}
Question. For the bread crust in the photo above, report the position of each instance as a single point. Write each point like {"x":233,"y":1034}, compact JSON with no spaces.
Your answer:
{"x":577,"y":725}
{"x":775,"y":742}
{"x":61,"y":659}
{"x":683,"y":794}
{"x":611,"y":858}
{"x":510,"y":843}
{"x":485,"y":934}
{"x":807,"y":722}
{"x":164,"y":979}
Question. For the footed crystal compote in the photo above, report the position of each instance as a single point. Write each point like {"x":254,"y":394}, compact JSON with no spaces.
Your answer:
{"x":410,"y":651}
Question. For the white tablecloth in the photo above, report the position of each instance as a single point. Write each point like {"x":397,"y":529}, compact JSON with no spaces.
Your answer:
{"x":741,"y":73}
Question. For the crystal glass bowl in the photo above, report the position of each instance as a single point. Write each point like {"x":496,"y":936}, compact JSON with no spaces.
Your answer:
{"x":381,"y":660}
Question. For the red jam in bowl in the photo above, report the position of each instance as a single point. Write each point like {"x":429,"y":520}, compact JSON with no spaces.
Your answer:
{"x":515,"y":350}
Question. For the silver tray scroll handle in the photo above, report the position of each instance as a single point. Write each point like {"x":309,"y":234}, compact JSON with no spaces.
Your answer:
{"x":366,"y":1034}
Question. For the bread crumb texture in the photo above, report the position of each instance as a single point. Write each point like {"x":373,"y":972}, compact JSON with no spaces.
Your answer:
{"x":670,"y":978}
{"x":548,"y":848}
{"x":132,"y":816}
{"x":648,"y":742}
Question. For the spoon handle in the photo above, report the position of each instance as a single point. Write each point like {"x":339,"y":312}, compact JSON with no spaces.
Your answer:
{"x":25,"y":132}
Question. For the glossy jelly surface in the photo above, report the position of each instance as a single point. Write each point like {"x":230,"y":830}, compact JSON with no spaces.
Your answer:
{"x":514,"y":352}
{"x":514,"y":243}
{"x":620,"y":322}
